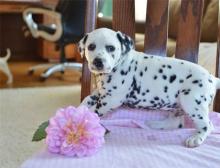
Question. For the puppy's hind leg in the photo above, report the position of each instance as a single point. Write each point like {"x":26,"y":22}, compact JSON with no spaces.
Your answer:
{"x":172,"y":122}
{"x":198,"y":112}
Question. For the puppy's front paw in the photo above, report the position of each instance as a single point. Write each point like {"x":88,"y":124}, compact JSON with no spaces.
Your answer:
{"x":194,"y":141}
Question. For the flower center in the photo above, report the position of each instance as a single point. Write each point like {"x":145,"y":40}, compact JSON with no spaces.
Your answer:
{"x":74,"y":137}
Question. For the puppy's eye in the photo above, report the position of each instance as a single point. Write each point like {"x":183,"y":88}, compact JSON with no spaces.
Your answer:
{"x":110,"y":48}
{"x":91,"y":47}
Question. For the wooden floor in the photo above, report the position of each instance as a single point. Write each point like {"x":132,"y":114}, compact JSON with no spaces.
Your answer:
{"x":22,"y":79}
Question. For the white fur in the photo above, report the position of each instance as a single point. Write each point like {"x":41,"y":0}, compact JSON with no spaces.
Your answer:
{"x":151,"y":82}
{"x":4,"y":66}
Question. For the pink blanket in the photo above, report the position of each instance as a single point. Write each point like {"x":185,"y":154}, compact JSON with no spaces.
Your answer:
{"x":131,"y":144}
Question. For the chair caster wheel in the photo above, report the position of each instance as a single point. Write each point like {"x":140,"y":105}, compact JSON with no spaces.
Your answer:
{"x":30,"y":72}
{"x":42,"y":79}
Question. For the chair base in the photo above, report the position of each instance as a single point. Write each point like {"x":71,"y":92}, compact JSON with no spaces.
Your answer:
{"x":53,"y":68}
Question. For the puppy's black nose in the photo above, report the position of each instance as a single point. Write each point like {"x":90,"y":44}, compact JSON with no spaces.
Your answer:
{"x":98,"y":63}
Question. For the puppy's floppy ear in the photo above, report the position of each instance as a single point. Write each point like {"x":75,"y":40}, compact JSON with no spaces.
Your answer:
{"x":126,"y":42}
{"x":81,"y":45}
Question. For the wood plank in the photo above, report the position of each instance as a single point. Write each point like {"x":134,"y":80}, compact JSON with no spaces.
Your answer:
{"x":189,"y":27}
{"x":217,"y":97}
{"x":156,"y":27}
{"x":124,"y":17}
{"x":90,"y":24}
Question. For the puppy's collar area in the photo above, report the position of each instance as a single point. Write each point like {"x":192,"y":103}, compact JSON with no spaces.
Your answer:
{"x":120,"y":61}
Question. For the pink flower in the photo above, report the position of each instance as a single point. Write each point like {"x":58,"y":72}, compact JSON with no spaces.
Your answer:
{"x":75,"y":132}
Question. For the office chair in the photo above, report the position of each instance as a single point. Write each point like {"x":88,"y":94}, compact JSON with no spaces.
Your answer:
{"x":68,"y":27}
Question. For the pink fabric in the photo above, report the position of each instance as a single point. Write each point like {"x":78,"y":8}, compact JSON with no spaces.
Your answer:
{"x":131,"y":144}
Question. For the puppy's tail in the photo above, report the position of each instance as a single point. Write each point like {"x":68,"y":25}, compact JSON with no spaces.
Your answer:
{"x":7,"y":55}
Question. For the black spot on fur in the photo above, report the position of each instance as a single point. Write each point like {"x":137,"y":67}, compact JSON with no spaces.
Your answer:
{"x":114,"y":69}
{"x":96,"y":111}
{"x":169,"y":66}
{"x":200,"y":85}
{"x":180,"y":126}
{"x":125,"y":72}
{"x":95,"y":98}
{"x":145,"y":69}
{"x":103,"y":97}
{"x":114,"y":87}
{"x":210,"y":81}
{"x":164,"y":77}
{"x":109,"y":79}
{"x":143,"y":94}
{"x":141,"y":73}
{"x":204,"y":128}
{"x":145,"y":57}
{"x":189,"y":76}
{"x":156,"y":98}
{"x":123,"y":81}
{"x":165,"y":89}
{"x":147,"y":90}
{"x":155,"y":77}
{"x":163,"y":66}
{"x":135,"y":68}
{"x":124,"y":41}
{"x":85,"y":39}
{"x":195,"y":81}
{"x":160,"y":71}
{"x":181,"y":81}
{"x":186,"y":91}
{"x":198,"y":102}
{"x":135,"y":87}
{"x":172,"y":78}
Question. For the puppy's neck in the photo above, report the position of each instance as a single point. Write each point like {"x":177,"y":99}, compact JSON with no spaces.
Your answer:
{"x":125,"y":58}
{"x":124,"y":61}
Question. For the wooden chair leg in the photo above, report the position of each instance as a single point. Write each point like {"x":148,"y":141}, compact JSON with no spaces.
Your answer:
{"x":90,"y":23}
{"x":217,"y":97}
{"x":217,"y":102}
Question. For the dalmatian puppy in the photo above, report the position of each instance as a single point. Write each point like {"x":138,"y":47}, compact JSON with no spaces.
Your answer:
{"x":4,"y":66}
{"x":135,"y":79}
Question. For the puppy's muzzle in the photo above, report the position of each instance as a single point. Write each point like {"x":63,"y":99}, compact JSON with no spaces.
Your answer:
{"x":97,"y":62}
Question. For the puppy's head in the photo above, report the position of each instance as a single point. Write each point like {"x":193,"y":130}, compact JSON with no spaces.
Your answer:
{"x":104,"y":48}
